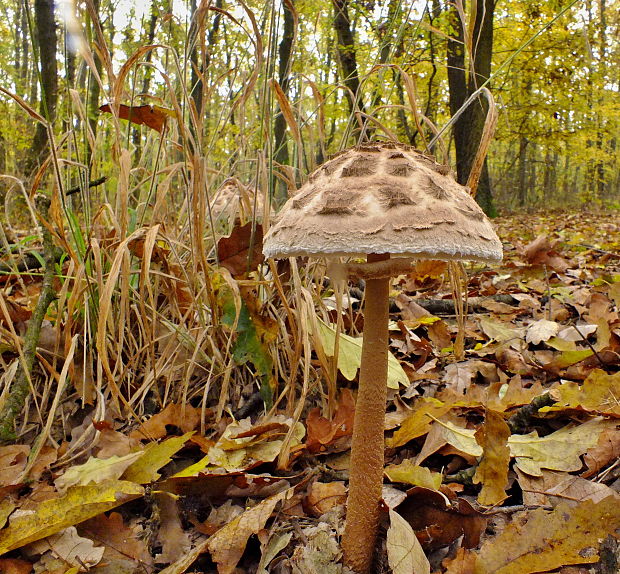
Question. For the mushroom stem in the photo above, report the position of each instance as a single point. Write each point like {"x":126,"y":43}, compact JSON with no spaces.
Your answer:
{"x":366,"y":474}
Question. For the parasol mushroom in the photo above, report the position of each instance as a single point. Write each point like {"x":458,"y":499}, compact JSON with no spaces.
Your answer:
{"x":377,"y":200}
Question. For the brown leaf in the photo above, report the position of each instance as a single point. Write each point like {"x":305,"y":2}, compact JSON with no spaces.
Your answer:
{"x":14,"y":566}
{"x":492,"y":470}
{"x":13,"y":460}
{"x":228,"y":544}
{"x":438,"y":523}
{"x":120,"y":540}
{"x":543,"y":540}
{"x":234,"y":253}
{"x":323,"y":496}
{"x":185,"y":417}
{"x":541,"y":252}
{"x":154,"y":117}
{"x":323,"y":432}
{"x":606,"y":451}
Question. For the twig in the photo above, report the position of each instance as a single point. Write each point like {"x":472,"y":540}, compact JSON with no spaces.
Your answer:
{"x":23,"y":378}
{"x":93,"y":183}
{"x":521,"y":420}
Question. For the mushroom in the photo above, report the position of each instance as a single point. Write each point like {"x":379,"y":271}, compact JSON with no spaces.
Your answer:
{"x":378,"y":200}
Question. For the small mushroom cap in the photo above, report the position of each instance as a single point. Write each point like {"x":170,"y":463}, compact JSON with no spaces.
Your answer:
{"x":383,"y":198}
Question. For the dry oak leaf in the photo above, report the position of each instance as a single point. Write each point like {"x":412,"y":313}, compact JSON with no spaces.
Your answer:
{"x":541,"y":331}
{"x":228,"y":544}
{"x":13,"y":460}
{"x":96,"y":470}
{"x":600,"y":393}
{"x":154,"y":457}
{"x":242,"y":250}
{"x":607,"y":450}
{"x":119,"y":539}
{"x":405,"y":554}
{"x":323,"y":496}
{"x":549,"y":540}
{"x":541,"y":252}
{"x":492,"y":470}
{"x":185,"y":417}
{"x":174,"y":539}
{"x":78,"y":504}
{"x":323,"y":432}
{"x":68,"y":545}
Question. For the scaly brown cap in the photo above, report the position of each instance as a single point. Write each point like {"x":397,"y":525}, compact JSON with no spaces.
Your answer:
{"x":383,"y":198}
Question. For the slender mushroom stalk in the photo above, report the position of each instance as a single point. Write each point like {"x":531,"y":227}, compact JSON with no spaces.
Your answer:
{"x":377,"y":200}
{"x":366,"y":474}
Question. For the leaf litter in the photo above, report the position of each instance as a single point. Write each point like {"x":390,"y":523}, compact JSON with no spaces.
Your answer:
{"x":481,"y":478}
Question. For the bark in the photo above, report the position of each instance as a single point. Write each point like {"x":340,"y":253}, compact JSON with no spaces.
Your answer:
{"x":347,"y":56}
{"x":468,"y":128}
{"x":285,"y":52}
{"x":46,"y":40}
{"x":200,"y":68}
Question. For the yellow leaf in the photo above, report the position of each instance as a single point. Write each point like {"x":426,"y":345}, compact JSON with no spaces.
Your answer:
{"x":410,"y":473}
{"x":96,"y":470}
{"x":405,"y":554}
{"x":155,"y":456}
{"x":560,"y":450}
{"x":419,"y":422}
{"x":350,"y":356}
{"x":600,"y":393}
{"x":549,"y":540}
{"x":492,"y":470}
{"x":78,"y":504}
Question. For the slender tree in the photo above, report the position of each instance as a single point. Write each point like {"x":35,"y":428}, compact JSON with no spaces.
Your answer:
{"x":45,"y":24}
{"x":468,"y":128}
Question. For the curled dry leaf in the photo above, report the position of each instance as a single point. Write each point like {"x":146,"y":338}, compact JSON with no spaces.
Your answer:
{"x":323,"y":496}
{"x":323,"y":433}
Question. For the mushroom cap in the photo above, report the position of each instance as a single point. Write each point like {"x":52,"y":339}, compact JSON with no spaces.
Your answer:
{"x":383,"y":198}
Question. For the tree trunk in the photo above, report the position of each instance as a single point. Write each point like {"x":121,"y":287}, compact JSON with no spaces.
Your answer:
{"x":346,"y":55}
{"x":522,"y":190}
{"x":468,"y":128}
{"x":46,"y":40}
{"x":285,"y":52}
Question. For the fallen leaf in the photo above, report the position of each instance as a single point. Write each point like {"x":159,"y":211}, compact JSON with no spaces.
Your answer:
{"x":174,"y":539}
{"x":606,"y":450}
{"x":242,"y":250}
{"x":119,"y":539}
{"x":155,"y":456}
{"x":323,"y":496}
{"x":408,"y":472}
{"x":540,"y":331}
{"x":96,"y":470}
{"x":350,"y":355}
{"x":541,"y":252}
{"x":560,"y":450}
{"x":182,"y":416}
{"x":547,"y":540}
{"x":599,"y":393}
{"x":228,"y":544}
{"x":419,"y":421}
{"x":154,"y":117}
{"x":322,"y":432}
{"x":78,"y":504}
{"x":405,"y":554}
{"x":68,"y":545}
{"x":13,"y":460}
{"x":15,"y":566}
{"x":492,"y":470}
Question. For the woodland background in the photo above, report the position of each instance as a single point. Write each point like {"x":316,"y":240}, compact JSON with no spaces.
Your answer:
{"x":170,"y":401}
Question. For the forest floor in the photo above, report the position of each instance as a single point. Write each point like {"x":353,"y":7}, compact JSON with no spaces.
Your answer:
{"x":503,"y":461}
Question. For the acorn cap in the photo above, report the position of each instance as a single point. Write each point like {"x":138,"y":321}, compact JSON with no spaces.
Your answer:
{"x":383,"y":198}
